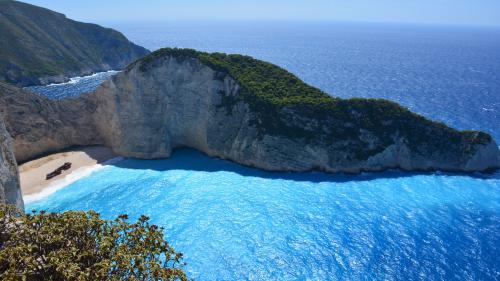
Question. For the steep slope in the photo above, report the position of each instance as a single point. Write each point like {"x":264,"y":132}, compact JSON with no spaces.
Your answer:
{"x":39,"y":46}
{"x":238,"y":108}
{"x":39,"y":125}
{"x":10,"y":190}
{"x":257,"y":114}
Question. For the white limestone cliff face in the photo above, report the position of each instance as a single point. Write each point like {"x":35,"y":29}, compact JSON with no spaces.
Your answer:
{"x":173,"y":106}
{"x":178,"y":103}
{"x":10,"y":190}
{"x":483,"y":158}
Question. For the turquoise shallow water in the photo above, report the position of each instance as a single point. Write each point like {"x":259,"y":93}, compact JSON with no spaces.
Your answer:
{"x":237,"y":223}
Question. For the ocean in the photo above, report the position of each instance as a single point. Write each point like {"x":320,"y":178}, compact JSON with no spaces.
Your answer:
{"x":75,"y":87}
{"x":237,"y":223}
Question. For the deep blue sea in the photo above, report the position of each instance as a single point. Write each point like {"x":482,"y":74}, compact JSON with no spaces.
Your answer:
{"x":237,"y":223}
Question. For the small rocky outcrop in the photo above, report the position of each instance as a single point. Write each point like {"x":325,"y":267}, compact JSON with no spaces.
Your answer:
{"x":10,"y":190}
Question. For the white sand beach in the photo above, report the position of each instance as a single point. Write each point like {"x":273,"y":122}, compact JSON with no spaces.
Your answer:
{"x":83,"y":162}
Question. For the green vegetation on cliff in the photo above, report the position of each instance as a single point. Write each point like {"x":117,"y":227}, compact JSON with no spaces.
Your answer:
{"x":260,"y":79}
{"x":82,"y":246}
{"x":36,"y":44}
{"x":284,"y":105}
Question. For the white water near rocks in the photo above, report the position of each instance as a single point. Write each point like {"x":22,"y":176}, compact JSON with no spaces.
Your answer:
{"x":74,"y":87}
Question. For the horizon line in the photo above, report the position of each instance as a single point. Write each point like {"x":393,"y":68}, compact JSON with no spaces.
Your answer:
{"x":306,"y":21}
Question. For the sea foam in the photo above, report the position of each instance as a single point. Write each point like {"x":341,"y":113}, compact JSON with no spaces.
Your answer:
{"x":74,"y":87}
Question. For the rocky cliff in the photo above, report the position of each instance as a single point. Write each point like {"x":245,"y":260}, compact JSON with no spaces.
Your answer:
{"x":241,"y":109}
{"x":39,"y":125}
{"x":39,"y":46}
{"x":257,"y":114}
{"x":10,"y":191}
{"x":32,"y":125}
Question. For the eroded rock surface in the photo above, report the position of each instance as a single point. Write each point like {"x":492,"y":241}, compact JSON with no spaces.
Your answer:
{"x":169,"y":100}
{"x":178,"y":101}
{"x":39,"y":125}
{"x":10,"y":190}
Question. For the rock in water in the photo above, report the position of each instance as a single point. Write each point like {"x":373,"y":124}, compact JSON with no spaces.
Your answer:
{"x":257,"y":114}
{"x":10,"y":189}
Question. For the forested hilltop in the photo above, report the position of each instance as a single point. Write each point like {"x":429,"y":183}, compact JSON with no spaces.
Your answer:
{"x":39,"y":46}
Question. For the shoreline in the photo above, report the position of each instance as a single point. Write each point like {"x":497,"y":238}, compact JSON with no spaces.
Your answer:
{"x":83,"y":161}
{"x":86,"y":160}
{"x":76,"y":79}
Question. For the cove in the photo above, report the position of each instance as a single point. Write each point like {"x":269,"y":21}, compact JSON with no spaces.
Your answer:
{"x":238,"y":223}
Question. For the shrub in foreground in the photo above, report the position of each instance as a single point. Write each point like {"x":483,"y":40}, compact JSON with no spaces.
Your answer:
{"x":82,"y":246}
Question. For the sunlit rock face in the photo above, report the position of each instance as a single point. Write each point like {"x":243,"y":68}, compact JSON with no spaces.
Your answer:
{"x":10,"y":190}
{"x":178,"y":101}
{"x":39,"y":125}
{"x":167,"y":101}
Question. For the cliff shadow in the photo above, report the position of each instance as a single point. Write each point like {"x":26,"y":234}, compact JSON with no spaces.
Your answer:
{"x":193,"y":160}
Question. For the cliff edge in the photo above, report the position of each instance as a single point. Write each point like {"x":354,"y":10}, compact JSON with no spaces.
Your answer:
{"x":257,"y":114}
{"x":241,"y":109}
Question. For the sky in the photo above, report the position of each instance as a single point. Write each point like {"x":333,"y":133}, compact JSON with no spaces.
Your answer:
{"x":453,"y":12}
